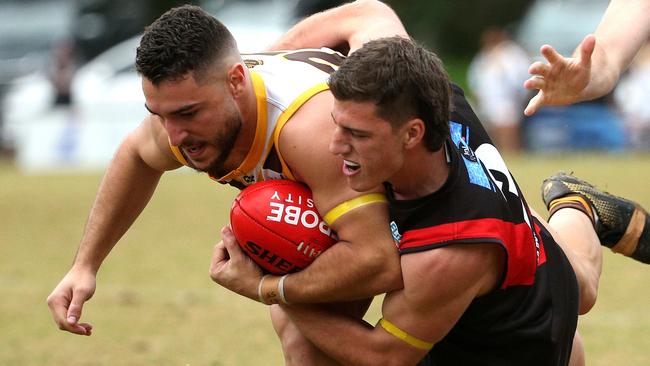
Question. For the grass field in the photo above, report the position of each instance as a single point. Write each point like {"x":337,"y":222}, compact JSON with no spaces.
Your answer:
{"x":155,"y":304}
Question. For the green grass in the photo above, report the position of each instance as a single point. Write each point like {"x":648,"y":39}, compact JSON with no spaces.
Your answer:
{"x":155,"y":304}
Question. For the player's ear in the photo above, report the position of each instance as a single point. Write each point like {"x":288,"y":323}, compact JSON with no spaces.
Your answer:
{"x":413,"y":132}
{"x":236,"y":79}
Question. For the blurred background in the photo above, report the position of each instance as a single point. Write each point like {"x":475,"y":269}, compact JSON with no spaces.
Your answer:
{"x":69,"y":93}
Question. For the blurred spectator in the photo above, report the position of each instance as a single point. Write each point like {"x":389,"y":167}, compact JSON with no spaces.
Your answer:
{"x":632,"y":96}
{"x":495,"y":76}
{"x":61,"y":70}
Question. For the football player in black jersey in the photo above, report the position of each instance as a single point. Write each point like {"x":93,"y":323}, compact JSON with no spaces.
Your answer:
{"x":485,"y":281}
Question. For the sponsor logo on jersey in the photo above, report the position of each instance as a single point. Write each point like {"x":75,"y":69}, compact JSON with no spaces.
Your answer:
{"x":394,"y":230}
{"x":467,"y":152}
{"x":250,"y":63}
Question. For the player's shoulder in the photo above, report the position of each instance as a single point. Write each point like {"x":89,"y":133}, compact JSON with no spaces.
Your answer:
{"x":150,"y":142}
{"x":476,"y":267}
{"x":460,"y":103}
{"x":316,"y":57}
{"x":304,"y":139}
{"x":304,"y":66}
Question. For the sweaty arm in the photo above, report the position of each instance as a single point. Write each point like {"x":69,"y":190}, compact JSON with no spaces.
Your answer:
{"x":414,"y":318}
{"x":347,"y":26}
{"x":597,"y":63}
{"x":126,"y":188}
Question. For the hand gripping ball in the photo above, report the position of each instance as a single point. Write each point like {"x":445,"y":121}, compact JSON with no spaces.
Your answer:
{"x":277,"y":225}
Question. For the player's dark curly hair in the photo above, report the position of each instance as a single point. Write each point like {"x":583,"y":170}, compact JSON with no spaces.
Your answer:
{"x":403,"y":79}
{"x":184,"y":39}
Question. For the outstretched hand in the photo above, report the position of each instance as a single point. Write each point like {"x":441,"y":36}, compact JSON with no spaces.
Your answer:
{"x":562,"y":80}
{"x":67,"y":300}
{"x":232,"y":268}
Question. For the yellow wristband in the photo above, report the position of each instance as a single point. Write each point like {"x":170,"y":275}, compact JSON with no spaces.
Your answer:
{"x":350,"y":205}
{"x":395,"y":331}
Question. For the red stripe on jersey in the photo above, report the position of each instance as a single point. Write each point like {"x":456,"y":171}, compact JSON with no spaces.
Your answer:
{"x":516,"y":239}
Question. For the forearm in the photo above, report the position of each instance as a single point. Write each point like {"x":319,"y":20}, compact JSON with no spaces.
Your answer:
{"x":343,"y":273}
{"x":366,"y":265}
{"x":603,"y":77}
{"x":365,"y":262}
{"x":124,"y":191}
{"x":624,"y":28}
{"x":352,"y":24}
{"x":325,"y":329}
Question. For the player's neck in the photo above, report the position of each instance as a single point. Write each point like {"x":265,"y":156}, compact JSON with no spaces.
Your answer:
{"x":247,"y":104}
{"x":424,"y":172}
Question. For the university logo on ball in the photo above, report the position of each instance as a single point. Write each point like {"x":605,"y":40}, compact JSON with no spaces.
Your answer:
{"x":278,"y":226}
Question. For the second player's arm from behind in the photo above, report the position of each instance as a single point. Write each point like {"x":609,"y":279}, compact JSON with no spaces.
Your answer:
{"x":365,"y":261}
{"x":347,"y":26}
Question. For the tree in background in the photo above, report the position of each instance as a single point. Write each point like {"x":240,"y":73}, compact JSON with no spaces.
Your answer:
{"x":454,"y":28}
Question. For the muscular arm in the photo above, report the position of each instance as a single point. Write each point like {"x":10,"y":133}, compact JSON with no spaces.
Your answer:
{"x":597,"y":63}
{"x":427,"y":313}
{"x":363,"y":263}
{"x":350,"y":25}
{"x":125,"y":190}
{"x":127,"y":187}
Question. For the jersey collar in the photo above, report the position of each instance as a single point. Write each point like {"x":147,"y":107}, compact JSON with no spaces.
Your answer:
{"x":257,"y":147}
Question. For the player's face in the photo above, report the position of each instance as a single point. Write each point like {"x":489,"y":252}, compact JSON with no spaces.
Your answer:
{"x":203,"y":120}
{"x":371,"y":150}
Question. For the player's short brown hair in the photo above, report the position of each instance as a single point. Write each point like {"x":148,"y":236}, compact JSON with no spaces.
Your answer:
{"x":184,"y":39}
{"x":403,"y":79}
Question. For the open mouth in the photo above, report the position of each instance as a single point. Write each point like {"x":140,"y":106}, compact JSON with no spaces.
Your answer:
{"x":194,"y":150}
{"x":350,"y":167}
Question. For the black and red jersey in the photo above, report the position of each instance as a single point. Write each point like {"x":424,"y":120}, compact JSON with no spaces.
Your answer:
{"x":531,"y":317}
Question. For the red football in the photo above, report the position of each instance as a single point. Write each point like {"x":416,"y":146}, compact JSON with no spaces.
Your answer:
{"x":277,"y":225}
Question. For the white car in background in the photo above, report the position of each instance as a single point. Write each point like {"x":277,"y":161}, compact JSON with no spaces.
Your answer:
{"x":107,"y":95}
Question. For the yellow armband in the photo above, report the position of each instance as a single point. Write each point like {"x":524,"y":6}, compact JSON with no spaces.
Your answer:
{"x":350,"y":205}
{"x":398,"y":333}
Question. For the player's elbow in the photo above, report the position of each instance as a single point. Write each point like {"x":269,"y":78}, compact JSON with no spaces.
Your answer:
{"x":371,"y":5}
{"x":384,"y":268}
{"x":378,"y":11}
